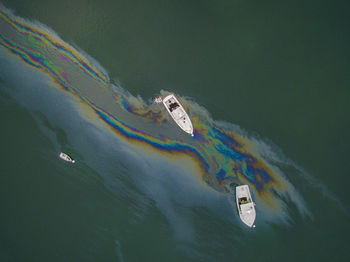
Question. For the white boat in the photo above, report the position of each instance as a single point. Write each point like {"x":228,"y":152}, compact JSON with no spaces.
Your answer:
{"x":245,"y":205}
{"x":67,"y":158}
{"x":178,"y":113}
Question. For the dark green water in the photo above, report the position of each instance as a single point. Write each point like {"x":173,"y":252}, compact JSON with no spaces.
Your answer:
{"x":278,"y":69}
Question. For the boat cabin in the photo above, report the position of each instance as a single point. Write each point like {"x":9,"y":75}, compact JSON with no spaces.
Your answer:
{"x":243,"y":200}
{"x":172,"y":105}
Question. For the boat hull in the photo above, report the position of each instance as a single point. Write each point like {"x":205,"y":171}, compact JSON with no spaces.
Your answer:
{"x":67,"y":158}
{"x":245,"y":205}
{"x":178,"y":113}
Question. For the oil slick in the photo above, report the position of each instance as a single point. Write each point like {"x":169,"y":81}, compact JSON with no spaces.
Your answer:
{"x":220,"y":153}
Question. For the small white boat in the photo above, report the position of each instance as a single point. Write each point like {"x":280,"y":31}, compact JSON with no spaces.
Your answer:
{"x":178,"y":113}
{"x":67,"y":158}
{"x":245,"y":205}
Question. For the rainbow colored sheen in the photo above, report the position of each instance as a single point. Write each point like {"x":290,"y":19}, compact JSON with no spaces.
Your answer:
{"x":223,"y":156}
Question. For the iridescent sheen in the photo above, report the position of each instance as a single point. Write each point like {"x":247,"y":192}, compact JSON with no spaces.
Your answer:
{"x":224,"y":155}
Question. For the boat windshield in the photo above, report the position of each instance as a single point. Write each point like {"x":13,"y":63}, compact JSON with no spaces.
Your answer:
{"x":243,"y":200}
{"x":173,"y":106}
